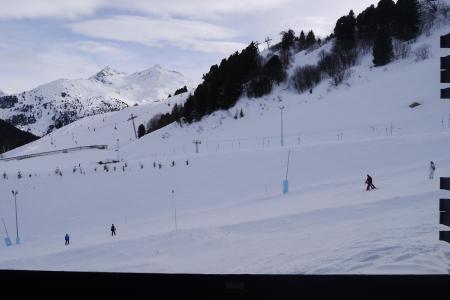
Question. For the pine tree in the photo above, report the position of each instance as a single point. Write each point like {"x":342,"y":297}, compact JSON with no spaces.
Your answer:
{"x":302,"y":41}
{"x":141,"y":130}
{"x":310,"y":39}
{"x":287,"y":39}
{"x":345,"y":31}
{"x":181,"y":91}
{"x":366,"y":24}
{"x":274,"y":70}
{"x":407,"y":19}
{"x":176,"y":114}
{"x":382,"y":48}
{"x":385,"y":13}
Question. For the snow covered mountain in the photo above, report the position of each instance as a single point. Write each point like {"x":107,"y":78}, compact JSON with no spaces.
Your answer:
{"x":149,"y":85}
{"x":2,"y":93}
{"x":63,"y":101}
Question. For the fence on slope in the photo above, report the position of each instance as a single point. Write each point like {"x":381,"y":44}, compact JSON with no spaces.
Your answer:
{"x":67,"y":150}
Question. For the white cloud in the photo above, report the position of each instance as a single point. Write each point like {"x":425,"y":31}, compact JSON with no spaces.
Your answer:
{"x":185,"y":34}
{"x":19,"y":9}
{"x":203,"y":9}
{"x":92,"y":47}
{"x":198,"y":9}
{"x":24,"y":68}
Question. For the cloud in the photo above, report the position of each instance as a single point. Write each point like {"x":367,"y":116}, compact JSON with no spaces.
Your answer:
{"x":19,"y":9}
{"x":185,"y":34}
{"x":92,"y":47}
{"x":198,"y":9}
{"x":24,"y":67}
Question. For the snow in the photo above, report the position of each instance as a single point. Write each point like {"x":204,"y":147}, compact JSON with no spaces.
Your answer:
{"x":231,"y":214}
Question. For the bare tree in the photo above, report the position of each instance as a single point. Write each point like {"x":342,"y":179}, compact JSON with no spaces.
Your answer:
{"x":401,"y":49}
{"x":422,"y":52}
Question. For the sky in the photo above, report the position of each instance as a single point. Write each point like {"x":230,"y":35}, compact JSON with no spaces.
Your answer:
{"x":44,"y":40}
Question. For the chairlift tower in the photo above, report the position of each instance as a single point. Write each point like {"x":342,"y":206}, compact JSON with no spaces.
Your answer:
{"x":134,"y":126}
{"x":118,"y":149}
{"x":267,"y":41}
{"x":282,"y":133}
{"x":15,"y":192}
{"x":197,"y":142}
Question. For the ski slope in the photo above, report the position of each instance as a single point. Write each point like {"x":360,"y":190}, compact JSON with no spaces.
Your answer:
{"x":231,"y":217}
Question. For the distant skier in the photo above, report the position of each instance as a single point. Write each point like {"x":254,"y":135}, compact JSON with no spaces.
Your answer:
{"x":432,"y":169}
{"x":67,"y":239}
{"x":113,"y":230}
{"x":173,"y":163}
{"x":187,"y":162}
{"x":369,"y":182}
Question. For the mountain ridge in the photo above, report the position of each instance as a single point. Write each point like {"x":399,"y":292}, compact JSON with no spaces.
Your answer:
{"x":62,"y":101}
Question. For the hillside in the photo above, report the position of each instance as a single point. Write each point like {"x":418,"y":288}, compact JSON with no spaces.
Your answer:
{"x":11,"y":137}
{"x":63,"y":101}
{"x":231,"y":215}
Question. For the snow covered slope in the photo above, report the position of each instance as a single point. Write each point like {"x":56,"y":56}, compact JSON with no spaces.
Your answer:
{"x":63,"y":101}
{"x":231,"y":214}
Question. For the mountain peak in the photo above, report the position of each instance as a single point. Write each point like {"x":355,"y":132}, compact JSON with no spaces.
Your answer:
{"x":105,"y":73}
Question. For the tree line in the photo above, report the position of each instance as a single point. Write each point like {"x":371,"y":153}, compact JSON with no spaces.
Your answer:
{"x":246,"y":72}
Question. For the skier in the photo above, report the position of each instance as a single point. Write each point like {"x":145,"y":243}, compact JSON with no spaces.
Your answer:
{"x":67,"y":238}
{"x":432,"y":169}
{"x":113,"y":230}
{"x":369,"y":182}
{"x":187,"y":162}
{"x":173,"y":163}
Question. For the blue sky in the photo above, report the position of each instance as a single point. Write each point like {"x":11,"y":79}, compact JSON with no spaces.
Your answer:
{"x":44,"y":40}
